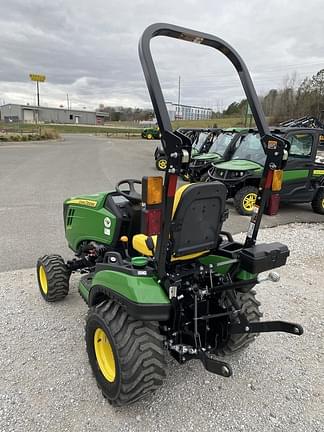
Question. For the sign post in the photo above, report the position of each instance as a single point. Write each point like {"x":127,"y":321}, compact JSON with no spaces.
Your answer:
{"x":38,"y":78}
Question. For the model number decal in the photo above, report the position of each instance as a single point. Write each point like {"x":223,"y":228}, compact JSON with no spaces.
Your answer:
{"x":107,"y":226}
{"x":84,"y":202}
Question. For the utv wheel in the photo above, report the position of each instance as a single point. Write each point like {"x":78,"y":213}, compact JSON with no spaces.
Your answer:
{"x":149,"y":136}
{"x":244,"y":200}
{"x":161,"y":163}
{"x":318,"y":202}
{"x":127,"y":356}
{"x":53,"y":277}
{"x":251,"y":309}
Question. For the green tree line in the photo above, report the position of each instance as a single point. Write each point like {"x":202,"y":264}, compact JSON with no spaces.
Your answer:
{"x":289,"y":101}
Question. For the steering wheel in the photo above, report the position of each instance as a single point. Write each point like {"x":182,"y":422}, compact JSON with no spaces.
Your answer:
{"x":132,"y":195}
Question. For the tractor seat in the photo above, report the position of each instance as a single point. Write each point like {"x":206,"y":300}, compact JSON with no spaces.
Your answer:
{"x":197,"y":217}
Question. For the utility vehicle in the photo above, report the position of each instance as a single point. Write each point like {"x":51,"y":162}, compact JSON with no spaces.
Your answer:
{"x":151,"y":133}
{"x":201,"y":139}
{"x":158,"y":272}
{"x":305,"y":122}
{"x":219,"y":150}
{"x":303,"y":176}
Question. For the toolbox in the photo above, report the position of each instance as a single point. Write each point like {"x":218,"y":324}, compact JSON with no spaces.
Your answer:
{"x":263,"y":257}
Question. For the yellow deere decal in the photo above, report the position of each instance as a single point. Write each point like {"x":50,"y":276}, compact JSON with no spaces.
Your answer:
{"x":84,"y":202}
{"x":318,"y":172}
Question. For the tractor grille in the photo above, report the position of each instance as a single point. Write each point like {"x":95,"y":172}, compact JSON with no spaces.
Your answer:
{"x":70,"y":215}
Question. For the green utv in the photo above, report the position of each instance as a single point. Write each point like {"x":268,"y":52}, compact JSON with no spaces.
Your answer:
{"x":219,"y":150}
{"x":158,"y":272}
{"x":303,"y":176}
{"x":201,"y":139}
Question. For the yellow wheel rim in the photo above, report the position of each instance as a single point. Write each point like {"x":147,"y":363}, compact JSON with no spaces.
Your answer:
{"x":104,"y":355}
{"x":162,"y":164}
{"x":249,"y":201}
{"x":149,"y":136}
{"x":323,"y":203}
{"x":43,"y":279}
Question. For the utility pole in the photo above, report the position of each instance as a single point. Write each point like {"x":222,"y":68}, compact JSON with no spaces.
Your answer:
{"x":179,"y":93}
{"x":68,"y":101}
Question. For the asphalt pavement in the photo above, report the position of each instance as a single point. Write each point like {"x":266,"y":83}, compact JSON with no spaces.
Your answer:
{"x":36,"y":177}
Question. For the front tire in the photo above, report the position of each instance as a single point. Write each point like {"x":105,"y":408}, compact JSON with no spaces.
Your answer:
{"x":251,"y":309}
{"x":53,"y":277}
{"x":127,"y":356}
{"x":244,"y":200}
{"x":318,"y":201}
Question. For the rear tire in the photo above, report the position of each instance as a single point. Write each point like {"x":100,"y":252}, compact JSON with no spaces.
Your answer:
{"x":137,"y":347}
{"x":318,"y":201}
{"x":251,"y":309}
{"x":161,"y":163}
{"x":244,"y":200}
{"x":53,"y":277}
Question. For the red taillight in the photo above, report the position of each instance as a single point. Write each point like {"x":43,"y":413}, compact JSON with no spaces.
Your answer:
{"x":152,"y":221}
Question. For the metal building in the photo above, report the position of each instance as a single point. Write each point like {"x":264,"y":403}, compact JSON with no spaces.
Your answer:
{"x":37,"y":114}
{"x":188,"y":112}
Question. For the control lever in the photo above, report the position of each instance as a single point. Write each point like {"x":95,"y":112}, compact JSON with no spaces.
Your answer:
{"x":124,"y":240}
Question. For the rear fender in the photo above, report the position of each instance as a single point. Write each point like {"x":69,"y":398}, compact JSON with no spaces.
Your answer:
{"x":142,"y":297}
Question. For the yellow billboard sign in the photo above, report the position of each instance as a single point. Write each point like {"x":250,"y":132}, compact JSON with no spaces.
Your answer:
{"x":37,"y":77}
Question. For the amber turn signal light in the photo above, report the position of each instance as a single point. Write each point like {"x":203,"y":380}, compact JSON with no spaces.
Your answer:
{"x":152,"y":190}
{"x":277,"y":180}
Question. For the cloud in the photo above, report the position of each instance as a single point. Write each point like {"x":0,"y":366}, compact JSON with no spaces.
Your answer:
{"x":89,"y":49}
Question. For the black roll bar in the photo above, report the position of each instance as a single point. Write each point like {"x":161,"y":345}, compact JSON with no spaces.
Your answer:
{"x":194,"y":36}
{"x":175,"y":144}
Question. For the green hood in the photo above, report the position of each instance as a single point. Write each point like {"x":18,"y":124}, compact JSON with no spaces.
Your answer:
{"x":207,"y":156}
{"x":239,"y":165}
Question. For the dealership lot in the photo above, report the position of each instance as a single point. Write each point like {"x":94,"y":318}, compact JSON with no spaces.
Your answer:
{"x":36,"y":178}
{"x":45,"y":379}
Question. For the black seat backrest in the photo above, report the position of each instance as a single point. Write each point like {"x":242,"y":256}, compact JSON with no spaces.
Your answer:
{"x":198,"y":219}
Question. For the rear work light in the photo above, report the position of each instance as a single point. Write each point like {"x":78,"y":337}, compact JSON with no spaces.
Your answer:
{"x":152,"y":190}
{"x":277,"y":180}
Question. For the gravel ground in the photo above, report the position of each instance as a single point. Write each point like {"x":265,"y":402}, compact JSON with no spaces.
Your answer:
{"x":46,"y":383}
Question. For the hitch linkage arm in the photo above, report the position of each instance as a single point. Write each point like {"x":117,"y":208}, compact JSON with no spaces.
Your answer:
{"x":266,"y":326}
{"x":244,"y":326}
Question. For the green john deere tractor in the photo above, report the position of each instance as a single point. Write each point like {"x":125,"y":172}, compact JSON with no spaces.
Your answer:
{"x":158,"y":272}
{"x":151,"y":133}
{"x":303,"y":176}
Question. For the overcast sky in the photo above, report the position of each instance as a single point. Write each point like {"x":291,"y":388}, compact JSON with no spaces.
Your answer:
{"x":88,"y":49}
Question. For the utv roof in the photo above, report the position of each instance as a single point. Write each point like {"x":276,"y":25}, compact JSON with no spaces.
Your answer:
{"x":199,"y":129}
{"x":284,"y":130}
{"x":235,"y":129}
